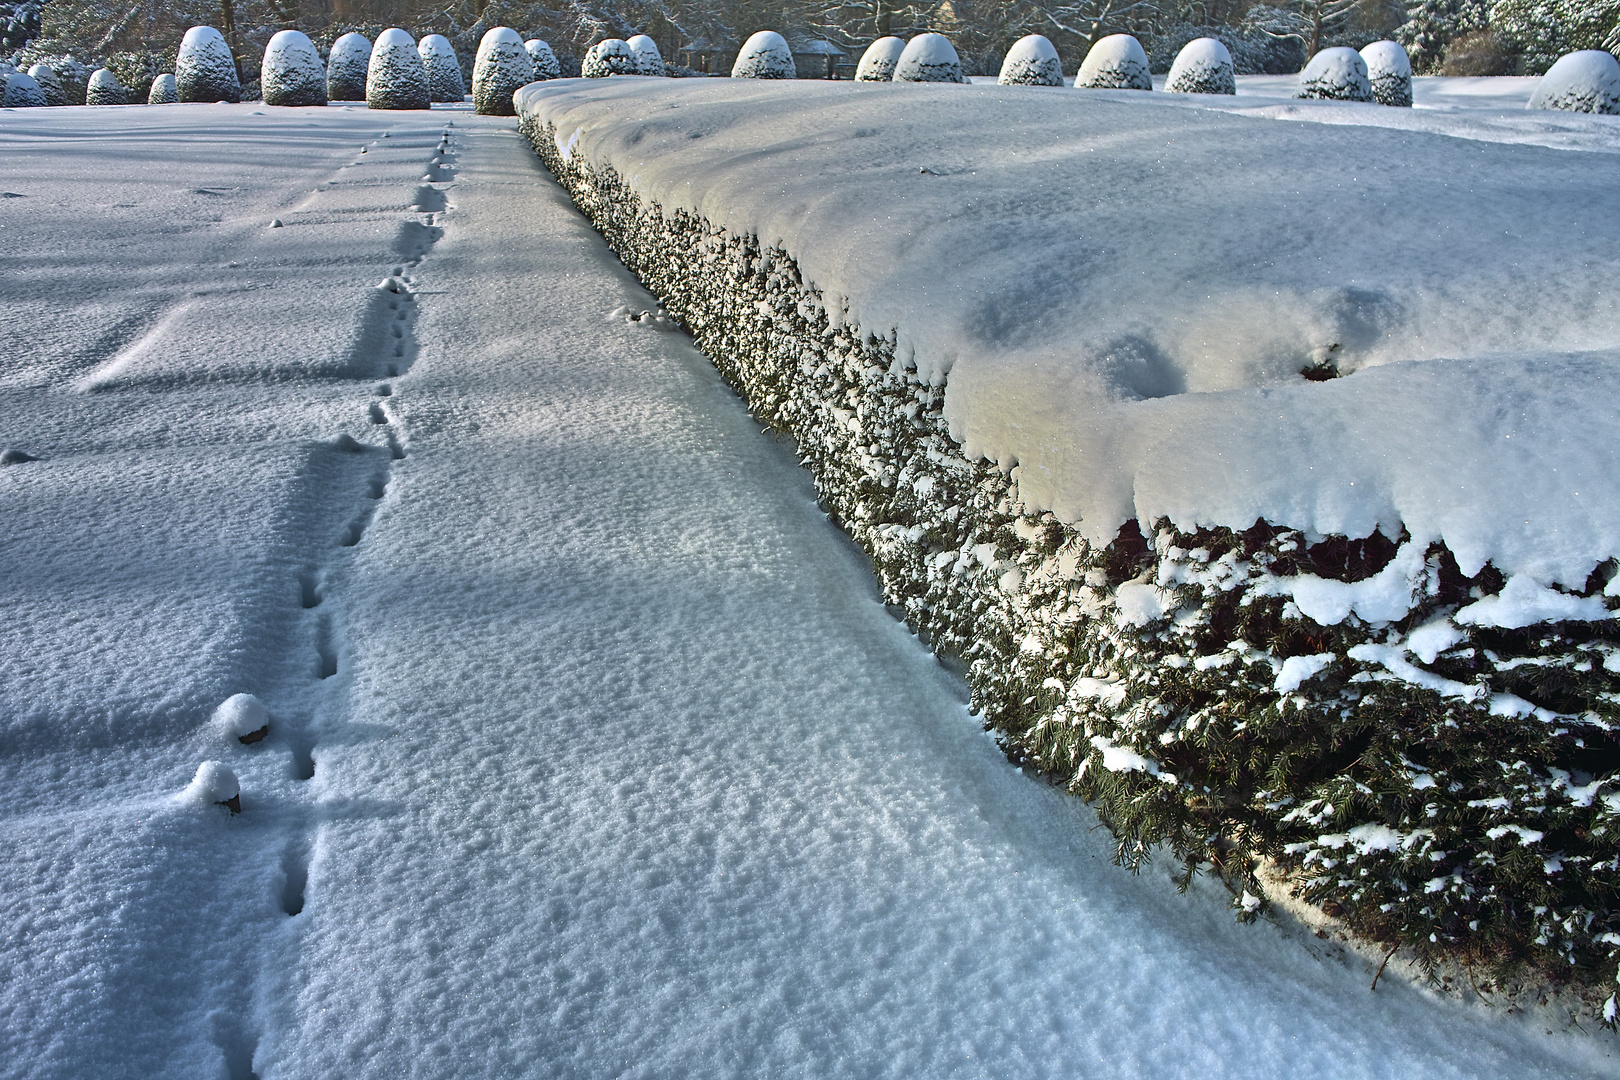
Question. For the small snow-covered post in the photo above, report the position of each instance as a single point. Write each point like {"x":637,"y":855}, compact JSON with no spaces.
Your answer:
{"x":22,"y":92}
{"x":501,"y":67}
{"x":1338,"y":74}
{"x":105,"y":89}
{"x":395,"y":78}
{"x":878,"y":61}
{"x":163,"y":91}
{"x":1389,"y":72}
{"x":346,"y":68}
{"x":291,"y":73}
{"x":214,"y":785}
{"x":649,"y":61}
{"x":49,"y":84}
{"x":929,"y":58}
{"x":442,"y":67}
{"x":205,"y":69}
{"x":764,"y":56}
{"x":1203,"y":66}
{"x":242,"y":717}
{"x":1587,"y":81}
{"x":1032,"y":61}
{"x":611,"y":57}
{"x":543,"y":59}
{"x":1115,"y":62}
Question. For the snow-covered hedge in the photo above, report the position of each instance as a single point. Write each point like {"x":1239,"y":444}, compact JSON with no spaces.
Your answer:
{"x":291,"y":72}
{"x":49,"y":84}
{"x":1389,"y":72}
{"x":346,"y":68}
{"x":205,"y":69}
{"x":611,"y":57}
{"x":1203,"y":66}
{"x":163,"y":90}
{"x":1116,"y":62}
{"x":442,"y":67}
{"x":649,"y":61}
{"x":501,"y":66}
{"x":929,"y":58}
{"x":105,"y":89}
{"x":765,"y":55}
{"x":1338,"y":74}
{"x":1587,"y":81}
{"x":878,"y":61}
{"x":395,"y":77}
{"x":542,"y":59}
{"x":1032,"y":61}
{"x":22,"y":92}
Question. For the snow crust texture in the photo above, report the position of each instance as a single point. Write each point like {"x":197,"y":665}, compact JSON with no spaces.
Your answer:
{"x":164,"y":91}
{"x":105,"y":89}
{"x":543,"y":59}
{"x":204,"y":69}
{"x":292,"y":72}
{"x":1203,"y":66}
{"x":649,"y":61}
{"x":1587,"y":81}
{"x":611,"y":57}
{"x":1389,"y":73}
{"x":929,"y":58}
{"x":22,"y":92}
{"x":501,"y":66}
{"x":396,"y":77}
{"x":765,"y":55}
{"x":346,"y":68}
{"x":1032,"y":61}
{"x":1338,"y":74}
{"x":442,"y":67}
{"x":49,"y":84}
{"x":878,"y":61}
{"x":1116,"y":62}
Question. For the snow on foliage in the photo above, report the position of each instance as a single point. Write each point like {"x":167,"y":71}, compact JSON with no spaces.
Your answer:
{"x":501,"y":66}
{"x":396,"y":78}
{"x":205,"y":70}
{"x":346,"y":68}
{"x":1338,"y":74}
{"x":22,"y":92}
{"x":163,"y":90}
{"x":105,"y":89}
{"x":49,"y":84}
{"x":611,"y":57}
{"x":649,"y":61}
{"x":442,"y":67}
{"x":214,"y":784}
{"x":929,"y":58}
{"x":1389,"y":72}
{"x":1586,"y":81}
{"x":1117,"y":62}
{"x":1203,"y":66}
{"x":291,"y":72}
{"x":764,"y":56}
{"x":1032,"y":61}
{"x":543,"y":59}
{"x":878,"y":61}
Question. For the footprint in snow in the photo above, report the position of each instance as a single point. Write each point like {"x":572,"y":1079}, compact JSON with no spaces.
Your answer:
{"x":16,"y":457}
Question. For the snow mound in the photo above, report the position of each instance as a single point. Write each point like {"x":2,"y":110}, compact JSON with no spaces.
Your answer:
{"x":215,"y":784}
{"x":1117,"y":62}
{"x":878,"y":61}
{"x":49,"y":83}
{"x":1338,"y":74}
{"x":346,"y":68}
{"x":649,"y":61}
{"x":396,"y":78}
{"x":1586,"y":81}
{"x":163,"y":90}
{"x":929,"y":58}
{"x":1032,"y":61}
{"x":1389,"y":71}
{"x":501,"y":66}
{"x":105,"y":89}
{"x":611,"y":57}
{"x":205,"y":70}
{"x":242,"y":717}
{"x":22,"y":92}
{"x":543,"y":59}
{"x":1203,"y":66}
{"x":291,"y":72}
{"x":764,"y":56}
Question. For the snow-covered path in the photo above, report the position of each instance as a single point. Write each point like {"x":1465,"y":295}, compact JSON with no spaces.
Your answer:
{"x":594,"y":754}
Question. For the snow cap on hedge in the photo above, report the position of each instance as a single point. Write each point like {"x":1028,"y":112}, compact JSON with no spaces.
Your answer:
{"x":1389,"y":71}
{"x":22,"y":92}
{"x":163,"y":90}
{"x":1203,"y":66}
{"x":1032,"y":61}
{"x":764,"y":56}
{"x":929,"y":58}
{"x":442,"y":67}
{"x":501,"y":67}
{"x":1587,"y":81}
{"x":105,"y":89}
{"x":543,"y":59}
{"x":49,"y":84}
{"x":611,"y":57}
{"x":292,"y":73}
{"x":878,"y":61}
{"x":1115,"y":62}
{"x":396,"y":78}
{"x":649,"y":61}
{"x":205,"y":69}
{"x":1338,"y":74}
{"x":346,"y":68}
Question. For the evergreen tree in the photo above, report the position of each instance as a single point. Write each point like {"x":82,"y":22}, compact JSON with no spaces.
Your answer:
{"x":1431,"y":24}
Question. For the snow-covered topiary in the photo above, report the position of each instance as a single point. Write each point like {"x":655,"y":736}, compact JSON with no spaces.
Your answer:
{"x":1032,"y":61}
{"x":242,"y":717}
{"x":611,"y":57}
{"x":1587,"y":81}
{"x":292,"y":73}
{"x":1389,"y":72}
{"x":501,"y":67}
{"x":214,"y":784}
{"x":545,"y":61}
{"x":1336,"y":74}
{"x":346,"y":68}
{"x":649,"y":61}
{"x":22,"y":92}
{"x":163,"y":91}
{"x":396,"y":78}
{"x":1203,"y":66}
{"x":1115,"y":62}
{"x":105,"y":89}
{"x":878,"y":61}
{"x":929,"y":58}
{"x":442,"y":67}
{"x":49,"y":84}
{"x":764,"y":56}
{"x":205,"y":69}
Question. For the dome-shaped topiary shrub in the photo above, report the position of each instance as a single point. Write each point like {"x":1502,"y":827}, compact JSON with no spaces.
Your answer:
{"x":205,"y":69}
{"x":1115,"y":62}
{"x":1203,"y":66}
{"x":542,"y":59}
{"x":501,"y":67}
{"x":346,"y":68}
{"x":396,"y":78}
{"x":649,"y":61}
{"x":1032,"y":61}
{"x":1337,"y":75}
{"x":611,"y":57}
{"x":105,"y":89}
{"x":878,"y":61}
{"x":22,"y":92}
{"x":49,"y":84}
{"x":163,"y":91}
{"x":929,"y":58}
{"x":292,"y":73}
{"x":1586,"y":81}
{"x":1389,"y":73}
{"x":442,"y":67}
{"x":764,"y":56}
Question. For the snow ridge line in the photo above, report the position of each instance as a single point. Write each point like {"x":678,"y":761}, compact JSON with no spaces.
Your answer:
{"x":1199,"y":688}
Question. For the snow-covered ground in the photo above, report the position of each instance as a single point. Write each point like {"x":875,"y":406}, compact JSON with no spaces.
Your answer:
{"x":590,"y":751}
